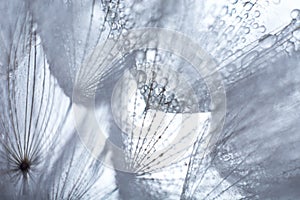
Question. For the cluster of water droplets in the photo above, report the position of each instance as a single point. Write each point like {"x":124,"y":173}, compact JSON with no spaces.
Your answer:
{"x":260,"y":53}
{"x":230,"y":25}
{"x":234,"y":34}
{"x":238,"y":58}
{"x":116,"y":17}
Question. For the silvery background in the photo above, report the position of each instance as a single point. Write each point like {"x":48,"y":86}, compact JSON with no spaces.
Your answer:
{"x":54,"y":62}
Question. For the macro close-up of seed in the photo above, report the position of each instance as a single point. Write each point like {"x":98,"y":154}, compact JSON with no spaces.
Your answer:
{"x":150,"y":100}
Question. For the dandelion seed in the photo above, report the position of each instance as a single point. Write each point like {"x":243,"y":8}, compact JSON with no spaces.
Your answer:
{"x":154,"y":96}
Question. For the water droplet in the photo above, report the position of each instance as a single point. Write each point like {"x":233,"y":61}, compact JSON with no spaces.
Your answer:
{"x":151,"y":55}
{"x":238,"y":19}
{"x":255,"y":25}
{"x":295,"y":14}
{"x":157,"y":58}
{"x":221,"y":23}
{"x":224,"y":11}
{"x":164,"y":82}
{"x":114,"y":26}
{"x":227,"y":157}
{"x":229,"y":29}
{"x":126,"y":44}
{"x":154,"y":74}
{"x":154,"y":84}
{"x":129,"y":24}
{"x":140,"y":56}
{"x":228,"y":53}
{"x":141,"y":76}
{"x":249,"y":58}
{"x":262,"y":29}
{"x":225,"y":73}
{"x":102,"y":29}
{"x":110,"y":36}
{"x":238,"y":53}
{"x":256,"y":13}
{"x":246,"y":30}
{"x":11,"y":74}
{"x":296,"y":33}
{"x":267,"y":41}
{"x":248,"y":6}
{"x":231,"y":67}
{"x":233,"y":11}
{"x":290,"y":47}
{"x":147,"y":65}
{"x":125,"y":32}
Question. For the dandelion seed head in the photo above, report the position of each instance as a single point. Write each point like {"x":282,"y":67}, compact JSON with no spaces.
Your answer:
{"x":40,"y":156}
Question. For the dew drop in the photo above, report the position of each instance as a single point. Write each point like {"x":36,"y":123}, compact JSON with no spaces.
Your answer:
{"x":164,"y":82}
{"x":256,"y":13}
{"x":290,"y":47}
{"x":238,"y":53}
{"x":267,"y":41}
{"x":151,"y":55}
{"x":246,"y":30}
{"x":276,"y":1}
{"x":124,"y":32}
{"x":228,"y":53}
{"x":225,"y":74}
{"x":154,"y":84}
{"x":141,"y":76}
{"x":255,"y":25}
{"x":238,"y":19}
{"x":249,"y":58}
{"x":296,"y":34}
{"x":262,"y":29}
{"x":102,"y":29}
{"x":233,"y":11}
{"x":140,"y":56}
{"x":224,"y":11}
{"x":222,"y":22}
{"x":231,"y":67}
{"x":248,"y":6}
{"x":229,"y":29}
{"x":243,"y":39}
{"x":11,"y":74}
{"x":227,"y":157}
{"x":295,"y":14}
